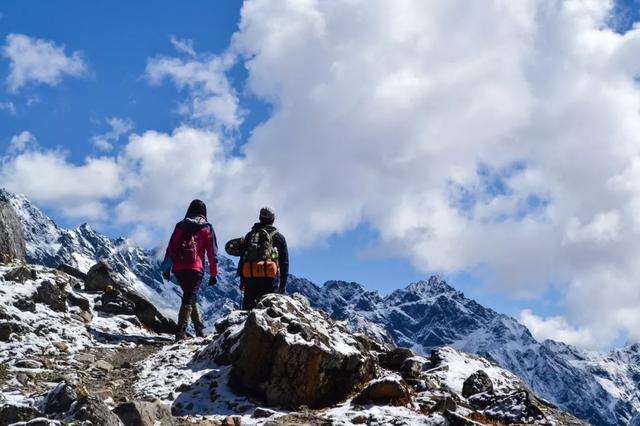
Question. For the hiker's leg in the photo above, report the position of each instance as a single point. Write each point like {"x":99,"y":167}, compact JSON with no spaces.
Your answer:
{"x":250,"y":295}
{"x":183,"y":316}
{"x":196,"y":318}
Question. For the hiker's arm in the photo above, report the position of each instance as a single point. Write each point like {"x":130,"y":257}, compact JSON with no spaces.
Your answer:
{"x":283,"y":260}
{"x":167,"y":263}
{"x":212,"y":252}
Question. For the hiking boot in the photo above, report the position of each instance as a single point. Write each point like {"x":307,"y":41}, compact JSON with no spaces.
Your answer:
{"x":197,"y":320}
{"x":183,"y":320}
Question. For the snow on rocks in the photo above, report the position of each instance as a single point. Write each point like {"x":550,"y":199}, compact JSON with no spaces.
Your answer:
{"x":289,"y":354}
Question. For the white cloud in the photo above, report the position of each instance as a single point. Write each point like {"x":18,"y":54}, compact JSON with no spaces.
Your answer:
{"x":183,"y":45}
{"x":78,"y":191}
{"x":22,"y":141}
{"x":8,"y":107}
{"x":212,"y":99}
{"x":558,"y":329}
{"x":39,"y":61}
{"x":118,"y":128}
{"x":510,"y":144}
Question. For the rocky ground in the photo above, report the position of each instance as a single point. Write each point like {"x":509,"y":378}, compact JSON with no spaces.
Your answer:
{"x":82,"y":348}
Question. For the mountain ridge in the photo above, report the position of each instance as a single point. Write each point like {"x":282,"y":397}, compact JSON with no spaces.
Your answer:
{"x":600,"y":388}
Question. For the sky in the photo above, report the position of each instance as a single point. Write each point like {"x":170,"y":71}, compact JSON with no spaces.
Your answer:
{"x":496,"y":144}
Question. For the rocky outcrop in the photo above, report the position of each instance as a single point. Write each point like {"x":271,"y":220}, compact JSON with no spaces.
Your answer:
{"x":99,"y":277}
{"x":12,"y":244}
{"x":94,"y":410}
{"x":478,"y":382}
{"x":389,"y":390}
{"x":144,"y":413}
{"x":290,"y":355}
{"x":60,"y":398}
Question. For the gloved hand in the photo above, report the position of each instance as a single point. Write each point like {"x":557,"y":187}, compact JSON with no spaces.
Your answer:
{"x":166,"y":276}
{"x":213,"y":280}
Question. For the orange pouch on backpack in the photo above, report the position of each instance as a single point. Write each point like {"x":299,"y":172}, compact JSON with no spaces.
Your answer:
{"x":260,"y":269}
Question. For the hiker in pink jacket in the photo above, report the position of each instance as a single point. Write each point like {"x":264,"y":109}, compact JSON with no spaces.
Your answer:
{"x":191,"y":239}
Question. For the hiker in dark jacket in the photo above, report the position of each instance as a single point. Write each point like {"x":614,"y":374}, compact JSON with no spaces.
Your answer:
{"x":191,"y":239}
{"x":267,"y":273}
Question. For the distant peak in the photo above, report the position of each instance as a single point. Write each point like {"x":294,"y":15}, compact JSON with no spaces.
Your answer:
{"x":434,"y":285}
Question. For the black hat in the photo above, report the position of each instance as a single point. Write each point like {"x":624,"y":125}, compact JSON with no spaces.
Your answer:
{"x":267,"y":215}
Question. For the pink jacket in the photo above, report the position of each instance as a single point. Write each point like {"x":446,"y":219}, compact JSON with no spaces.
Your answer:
{"x":205,"y":238}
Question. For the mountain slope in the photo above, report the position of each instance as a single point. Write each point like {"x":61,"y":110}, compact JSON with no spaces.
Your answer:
{"x":600,"y":388}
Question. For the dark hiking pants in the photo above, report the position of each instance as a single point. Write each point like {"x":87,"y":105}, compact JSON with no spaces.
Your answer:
{"x":254,"y":289}
{"x":189,"y":280}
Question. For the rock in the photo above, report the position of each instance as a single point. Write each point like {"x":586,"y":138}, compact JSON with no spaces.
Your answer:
{"x":262,"y":413}
{"x":22,"y":378}
{"x":52,"y":296}
{"x":455,"y":419}
{"x":70,"y":270}
{"x":102,"y":365}
{"x":94,"y":410}
{"x":7,"y":328}
{"x":60,"y":398}
{"x":25,"y":304}
{"x":10,"y":414}
{"x":27,"y":363}
{"x":12,"y":245}
{"x":232,"y":421}
{"x":99,"y":277}
{"x":517,"y":407}
{"x":86,"y":316}
{"x":113,"y":302}
{"x":143,"y":413}
{"x":476,"y":383}
{"x":413,"y":367}
{"x":41,"y":421}
{"x":88,"y":358}
{"x":445,"y":403}
{"x":61,"y":346}
{"x":299,"y":419}
{"x":316,"y":363}
{"x":81,"y":302}
{"x":386,"y":391}
{"x":393,"y":359}
{"x":21,"y":274}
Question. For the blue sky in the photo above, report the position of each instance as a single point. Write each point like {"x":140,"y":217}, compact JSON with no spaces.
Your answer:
{"x":367,"y":240}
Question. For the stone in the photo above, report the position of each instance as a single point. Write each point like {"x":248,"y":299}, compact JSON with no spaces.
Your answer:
{"x":478,"y":382}
{"x":99,"y":277}
{"x":299,"y":419}
{"x":8,"y":328}
{"x":262,"y":413}
{"x":21,"y":274}
{"x":27,"y":363}
{"x":51,"y":295}
{"x":12,"y":244}
{"x":144,"y":413}
{"x":61,"y":346}
{"x":318,"y":364}
{"x":413,"y":367}
{"x":385,"y":391}
{"x":113,"y":302}
{"x":88,"y":358}
{"x":394,"y":358}
{"x":25,"y":304}
{"x":102,"y":365}
{"x":86,"y":316}
{"x":60,"y":398}
{"x":81,"y":302}
{"x":232,"y":421}
{"x":95,"y":411}
{"x":444,"y":404}
{"x":520,"y":406}
{"x":10,"y":414}
{"x":74,"y":272}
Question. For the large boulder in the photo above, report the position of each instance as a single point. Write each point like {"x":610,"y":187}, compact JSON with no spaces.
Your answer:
{"x":144,"y":413}
{"x":476,"y":383}
{"x":60,"y":398}
{"x":99,"y":277}
{"x":10,"y":413}
{"x":51,"y":295}
{"x":389,"y":390}
{"x":12,"y":245}
{"x":94,"y":410}
{"x":119,"y":299}
{"x":288,"y":354}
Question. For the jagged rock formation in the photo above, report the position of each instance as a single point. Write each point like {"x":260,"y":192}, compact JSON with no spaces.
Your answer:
{"x":291,"y":355}
{"x":601,"y":388}
{"x":12,"y":245}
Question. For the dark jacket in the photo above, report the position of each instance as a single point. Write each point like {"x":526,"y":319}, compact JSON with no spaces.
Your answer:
{"x":280,"y":243}
{"x":205,"y":239}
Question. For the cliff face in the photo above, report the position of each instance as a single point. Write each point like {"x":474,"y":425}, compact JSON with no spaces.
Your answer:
{"x":12,"y":245}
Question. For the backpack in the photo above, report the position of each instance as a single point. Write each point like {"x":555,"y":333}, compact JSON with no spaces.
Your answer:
{"x":260,"y":257}
{"x":186,"y":249}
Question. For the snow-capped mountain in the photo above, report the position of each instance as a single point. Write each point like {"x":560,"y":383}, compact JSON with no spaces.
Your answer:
{"x":600,"y":388}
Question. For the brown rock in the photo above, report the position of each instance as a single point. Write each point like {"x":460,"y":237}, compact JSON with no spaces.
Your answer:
{"x":389,"y":390}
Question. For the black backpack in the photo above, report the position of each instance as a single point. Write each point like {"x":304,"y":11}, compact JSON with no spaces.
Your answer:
{"x":259,"y":246}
